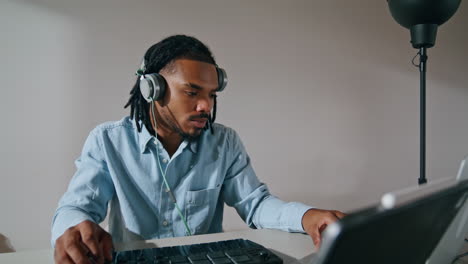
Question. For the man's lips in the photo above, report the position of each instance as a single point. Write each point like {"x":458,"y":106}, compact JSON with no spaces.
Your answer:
{"x":198,"y":122}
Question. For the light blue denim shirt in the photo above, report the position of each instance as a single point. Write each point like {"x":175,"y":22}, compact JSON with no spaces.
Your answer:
{"x":118,"y":167}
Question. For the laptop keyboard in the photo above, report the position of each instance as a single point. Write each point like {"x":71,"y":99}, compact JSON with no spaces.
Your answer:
{"x":238,"y":251}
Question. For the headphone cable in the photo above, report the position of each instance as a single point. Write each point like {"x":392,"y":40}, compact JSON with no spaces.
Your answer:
{"x":171,"y":194}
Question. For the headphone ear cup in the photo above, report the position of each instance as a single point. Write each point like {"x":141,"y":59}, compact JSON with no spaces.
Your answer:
{"x":146,"y":89}
{"x":222,"y":79}
{"x":152,"y":87}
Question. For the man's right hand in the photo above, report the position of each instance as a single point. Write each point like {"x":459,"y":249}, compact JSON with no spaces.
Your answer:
{"x":81,"y":242}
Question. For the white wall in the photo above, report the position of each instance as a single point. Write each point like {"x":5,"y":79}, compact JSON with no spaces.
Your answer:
{"x":322,"y":93}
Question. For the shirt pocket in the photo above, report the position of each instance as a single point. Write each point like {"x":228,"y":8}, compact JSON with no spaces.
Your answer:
{"x":200,"y":208}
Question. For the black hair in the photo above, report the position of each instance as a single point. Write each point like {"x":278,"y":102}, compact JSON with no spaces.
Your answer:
{"x":156,"y":58}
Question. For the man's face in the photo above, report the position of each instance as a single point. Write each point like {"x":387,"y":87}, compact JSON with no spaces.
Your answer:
{"x":189,"y":97}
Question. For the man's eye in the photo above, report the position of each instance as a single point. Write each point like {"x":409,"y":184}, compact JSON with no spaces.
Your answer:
{"x":191,"y":93}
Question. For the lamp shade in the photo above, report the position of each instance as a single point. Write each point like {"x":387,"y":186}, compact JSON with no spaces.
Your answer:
{"x":422,"y":17}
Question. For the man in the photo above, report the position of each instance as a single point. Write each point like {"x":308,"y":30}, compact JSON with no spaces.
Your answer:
{"x":168,"y":169}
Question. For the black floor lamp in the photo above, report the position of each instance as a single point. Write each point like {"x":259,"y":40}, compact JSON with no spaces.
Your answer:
{"x":422,"y":17}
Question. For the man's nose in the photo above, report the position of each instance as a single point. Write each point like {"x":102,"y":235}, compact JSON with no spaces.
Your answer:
{"x":204,"y":105}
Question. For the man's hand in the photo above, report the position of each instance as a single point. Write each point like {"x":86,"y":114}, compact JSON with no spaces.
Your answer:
{"x":81,"y":242}
{"x":315,"y":221}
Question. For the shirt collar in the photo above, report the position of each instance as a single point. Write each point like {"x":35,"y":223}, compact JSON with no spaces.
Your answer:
{"x":194,"y":145}
{"x":143,"y":137}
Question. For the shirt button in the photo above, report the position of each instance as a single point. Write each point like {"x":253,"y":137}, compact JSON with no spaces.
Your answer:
{"x":164,"y":160}
{"x":167,"y":190}
{"x":165,"y":223}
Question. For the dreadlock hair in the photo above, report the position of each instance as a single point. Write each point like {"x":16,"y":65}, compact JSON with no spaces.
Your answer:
{"x":156,"y":58}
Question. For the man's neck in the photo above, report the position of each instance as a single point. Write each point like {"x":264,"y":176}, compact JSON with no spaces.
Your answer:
{"x":170,"y":140}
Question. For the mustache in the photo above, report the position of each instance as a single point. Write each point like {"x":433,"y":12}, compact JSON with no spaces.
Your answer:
{"x":205,"y":115}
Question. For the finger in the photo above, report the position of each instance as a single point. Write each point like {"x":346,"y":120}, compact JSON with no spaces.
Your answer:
{"x":339,"y":214}
{"x":315,"y":234}
{"x":328,"y":219}
{"x":60,"y":256}
{"x":77,"y":253}
{"x":107,"y":246}
{"x":322,"y":227}
{"x":90,"y":241}
{"x":66,"y":261}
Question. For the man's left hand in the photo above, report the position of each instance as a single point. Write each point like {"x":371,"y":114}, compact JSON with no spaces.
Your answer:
{"x":315,"y":221}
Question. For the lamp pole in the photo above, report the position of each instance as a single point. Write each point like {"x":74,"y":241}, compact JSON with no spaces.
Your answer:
{"x":422,"y":113}
{"x":422,"y":17}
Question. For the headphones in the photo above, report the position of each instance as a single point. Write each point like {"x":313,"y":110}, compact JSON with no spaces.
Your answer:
{"x":153,"y":86}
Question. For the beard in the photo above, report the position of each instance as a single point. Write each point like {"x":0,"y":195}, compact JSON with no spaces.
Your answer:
{"x":173,"y":125}
{"x":187,"y":136}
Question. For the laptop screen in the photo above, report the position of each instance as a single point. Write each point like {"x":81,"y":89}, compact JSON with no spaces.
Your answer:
{"x":406,"y":233}
{"x":454,"y":238}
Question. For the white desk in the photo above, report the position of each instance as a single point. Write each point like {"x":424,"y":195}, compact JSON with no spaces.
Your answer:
{"x":290,"y":247}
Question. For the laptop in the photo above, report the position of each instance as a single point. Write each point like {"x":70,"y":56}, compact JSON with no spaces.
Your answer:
{"x":404,"y":231}
{"x":454,"y":238}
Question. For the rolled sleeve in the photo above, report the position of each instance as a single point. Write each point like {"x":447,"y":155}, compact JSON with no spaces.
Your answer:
{"x":277,"y":214}
{"x":66,"y":218}
{"x":88,"y":193}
